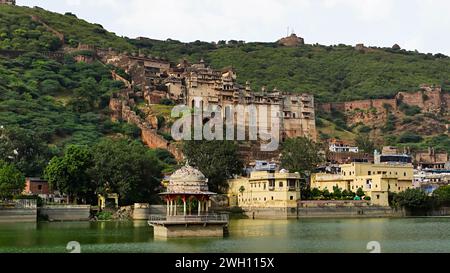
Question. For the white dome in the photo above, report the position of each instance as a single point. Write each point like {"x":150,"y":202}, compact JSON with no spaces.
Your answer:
{"x":188,"y":173}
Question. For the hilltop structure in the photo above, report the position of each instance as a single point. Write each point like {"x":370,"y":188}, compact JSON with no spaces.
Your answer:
{"x":291,"y":41}
{"x":8,"y":2}
{"x":199,"y":85}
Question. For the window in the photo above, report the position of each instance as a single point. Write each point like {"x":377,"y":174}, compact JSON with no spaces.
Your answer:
{"x":39,"y":187}
{"x":265,"y":199}
{"x":272,"y":197}
{"x":405,"y":173}
{"x":280,"y":184}
{"x":378,"y":197}
{"x":370,"y":173}
{"x":292,"y":198}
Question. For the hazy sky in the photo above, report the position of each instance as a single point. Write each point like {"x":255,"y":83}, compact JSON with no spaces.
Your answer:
{"x":413,"y":24}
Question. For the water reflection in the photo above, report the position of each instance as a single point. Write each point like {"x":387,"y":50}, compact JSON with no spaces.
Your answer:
{"x":305,"y":236}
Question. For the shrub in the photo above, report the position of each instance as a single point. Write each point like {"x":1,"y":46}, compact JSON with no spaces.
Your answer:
{"x":166,"y":101}
{"x":365,"y":129}
{"x":410,"y":110}
{"x":104,"y":216}
{"x":410,"y":137}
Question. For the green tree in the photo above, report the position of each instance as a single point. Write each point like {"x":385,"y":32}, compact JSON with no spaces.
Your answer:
{"x":301,"y":155}
{"x":337,"y":193}
{"x":86,"y":96}
{"x":127,"y":168}
{"x":69,"y":174}
{"x":442,"y":195}
{"x":316,"y":193}
{"x":12,"y":181}
{"x":364,"y":143}
{"x":412,"y":199}
{"x":25,"y":149}
{"x":217,"y":160}
{"x":360,"y":192}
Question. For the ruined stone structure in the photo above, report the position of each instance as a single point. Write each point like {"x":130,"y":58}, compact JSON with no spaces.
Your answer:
{"x":146,"y":72}
{"x":121,"y":110}
{"x":292,"y":41}
{"x":431,"y":159}
{"x":8,"y":2}
{"x":430,"y":99}
{"x":377,"y":104}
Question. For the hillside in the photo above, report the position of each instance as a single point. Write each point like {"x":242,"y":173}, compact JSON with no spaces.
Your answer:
{"x":332,"y":73}
{"x":64,"y":102}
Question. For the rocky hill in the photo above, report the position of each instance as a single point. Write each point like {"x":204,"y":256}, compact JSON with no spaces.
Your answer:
{"x":36,"y":90}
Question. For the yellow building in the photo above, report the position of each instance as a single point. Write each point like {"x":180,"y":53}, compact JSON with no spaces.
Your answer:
{"x":265,"y":190}
{"x":376,"y":180}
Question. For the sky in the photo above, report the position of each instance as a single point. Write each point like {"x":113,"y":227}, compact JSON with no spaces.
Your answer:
{"x":413,"y":24}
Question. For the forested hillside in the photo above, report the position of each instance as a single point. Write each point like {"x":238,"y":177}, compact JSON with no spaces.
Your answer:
{"x":48,"y":104}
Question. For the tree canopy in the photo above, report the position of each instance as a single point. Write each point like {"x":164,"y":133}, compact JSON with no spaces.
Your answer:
{"x":300,"y":155}
{"x":128,"y":168}
{"x":12,"y":181}
{"x":69,"y":175}
{"x":217,"y":160}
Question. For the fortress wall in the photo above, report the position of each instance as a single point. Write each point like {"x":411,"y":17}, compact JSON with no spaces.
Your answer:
{"x":360,"y":104}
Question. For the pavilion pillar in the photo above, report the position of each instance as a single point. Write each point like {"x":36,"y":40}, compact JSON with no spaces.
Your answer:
{"x":171,"y":208}
{"x":207,"y":206}
{"x":184,"y":206}
{"x":199,"y":207}
{"x":168,"y":207}
{"x":175,"y":207}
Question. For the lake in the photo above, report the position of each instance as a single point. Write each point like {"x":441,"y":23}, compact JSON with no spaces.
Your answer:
{"x":406,"y":235}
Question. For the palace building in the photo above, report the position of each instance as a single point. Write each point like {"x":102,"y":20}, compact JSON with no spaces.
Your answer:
{"x":376,"y":180}
{"x":264,"y":189}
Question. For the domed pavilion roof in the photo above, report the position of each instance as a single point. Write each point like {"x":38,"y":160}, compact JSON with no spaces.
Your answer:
{"x":188,"y":181}
{"x":188,"y":173}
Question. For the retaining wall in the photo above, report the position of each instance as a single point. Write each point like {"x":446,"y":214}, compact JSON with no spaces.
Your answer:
{"x":66,"y":213}
{"x":17,"y":215}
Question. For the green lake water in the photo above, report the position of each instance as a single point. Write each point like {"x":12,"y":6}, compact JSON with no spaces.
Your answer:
{"x":408,"y":235}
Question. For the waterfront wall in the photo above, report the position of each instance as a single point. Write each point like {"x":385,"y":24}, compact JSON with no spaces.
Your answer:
{"x":191,"y":231}
{"x":141,"y":211}
{"x":349,"y":212}
{"x":271,"y":213}
{"x":18,"y":215}
{"x":66,"y":213}
{"x":319,"y":210}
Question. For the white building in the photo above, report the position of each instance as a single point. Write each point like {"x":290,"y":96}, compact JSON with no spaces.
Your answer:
{"x":343,"y":148}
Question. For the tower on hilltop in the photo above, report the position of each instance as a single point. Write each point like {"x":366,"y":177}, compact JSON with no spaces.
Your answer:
{"x":8,"y":2}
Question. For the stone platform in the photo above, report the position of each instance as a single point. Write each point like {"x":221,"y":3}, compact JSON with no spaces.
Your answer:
{"x":189,"y":226}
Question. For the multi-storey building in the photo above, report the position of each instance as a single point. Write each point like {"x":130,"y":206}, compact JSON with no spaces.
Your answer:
{"x":376,"y":180}
{"x":265,"y":189}
{"x":200,"y":86}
